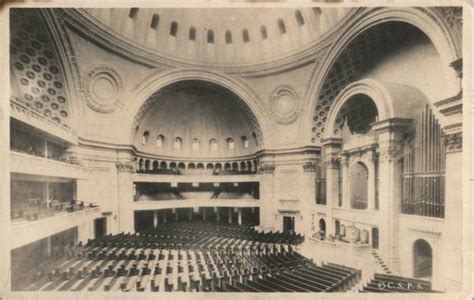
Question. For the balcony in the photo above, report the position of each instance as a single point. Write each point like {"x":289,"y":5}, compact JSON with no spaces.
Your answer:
{"x":24,"y":232}
{"x":183,"y":203}
{"x":37,"y":165}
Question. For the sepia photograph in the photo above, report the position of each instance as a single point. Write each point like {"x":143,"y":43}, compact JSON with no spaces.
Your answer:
{"x":236,"y":147}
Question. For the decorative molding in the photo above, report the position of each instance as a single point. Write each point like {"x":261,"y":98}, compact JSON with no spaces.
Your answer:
{"x":284,"y":104}
{"x":390,"y":153}
{"x":309,"y":166}
{"x":266,"y":169}
{"x":453,"y":142}
{"x":125,"y":167}
{"x":103,"y":88}
{"x":457,"y":66}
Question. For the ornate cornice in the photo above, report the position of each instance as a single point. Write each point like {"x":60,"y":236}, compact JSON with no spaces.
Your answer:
{"x":453,"y":142}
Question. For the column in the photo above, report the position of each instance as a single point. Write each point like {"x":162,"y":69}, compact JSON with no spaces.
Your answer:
{"x":332,"y":147}
{"x":191,"y":214}
{"x":230,"y":214}
{"x":125,"y":196}
{"x":204,"y":213}
{"x":239,"y":216}
{"x":344,"y":160}
{"x":371,"y":181}
{"x":165,"y":216}
{"x":218,"y":215}
{"x":389,"y":136}
{"x":265,"y":171}
{"x":155,"y":218}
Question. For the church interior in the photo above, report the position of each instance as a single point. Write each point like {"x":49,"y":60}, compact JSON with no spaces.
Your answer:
{"x":295,"y":149}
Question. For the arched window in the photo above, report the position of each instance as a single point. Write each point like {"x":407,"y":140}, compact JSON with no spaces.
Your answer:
{"x":174,"y":28}
{"x":423,"y":259}
{"x":209,"y":166}
{"x":195,"y":145}
{"x":192,"y":34}
{"x":255,"y":140}
{"x":145,"y":137}
{"x":263,"y":32}
{"x":227,"y":166}
{"x":299,"y":18}
{"x":210,"y":36}
{"x":245,"y":142}
{"x":359,"y":185}
{"x":200,"y":166}
{"x":243,"y":166}
{"x":245,"y":36}
{"x":235,"y":166}
{"x":230,"y":144}
{"x":281,"y":26}
{"x":317,"y":11}
{"x":177,"y":143}
{"x":155,"y":165}
{"x":133,"y":13}
{"x":322,"y":226}
{"x":213,"y":144}
{"x":155,"y":21}
{"x":191,"y":166}
{"x":228,"y":37}
{"x":163,"y":165}
{"x":159,"y":141}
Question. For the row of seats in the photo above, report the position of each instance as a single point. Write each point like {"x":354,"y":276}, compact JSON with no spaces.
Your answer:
{"x":384,"y":283}
{"x":180,"y":257}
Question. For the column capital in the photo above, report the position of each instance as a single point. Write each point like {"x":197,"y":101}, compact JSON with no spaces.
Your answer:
{"x":390,"y":152}
{"x":453,"y":142}
{"x":124,"y":166}
{"x":332,"y":163}
{"x":265,"y":168}
{"x":309,"y":166}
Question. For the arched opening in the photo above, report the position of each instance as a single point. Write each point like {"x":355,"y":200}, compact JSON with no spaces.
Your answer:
{"x":359,"y":176}
{"x":200,"y":166}
{"x":177,"y":143}
{"x":375,"y":238}
{"x":299,"y":18}
{"x":195,"y":145}
{"x":147,"y":165}
{"x":155,"y":21}
{"x":235,"y":166}
{"x":213,"y":145}
{"x":243,"y":166}
{"x":422,"y":259}
{"x":245,"y":36}
{"x":210,"y":36}
{"x":322,"y":227}
{"x":209,"y":166}
{"x":174,"y":29}
{"x":249,"y":166}
{"x":140,"y":164}
{"x":227,"y":166}
{"x":145,"y":137}
{"x":337,"y":227}
{"x":263,"y":32}
{"x":245,"y":142}
{"x":356,"y":116}
{"x":228,"y":37}
{"x":192,"y":34}
{"x":159,"y":141}
{"x":230,"y":144}
{"x":133,"y":13}
{"x":182,"y":166}
{"x":163,"y":165}
{"x":191,"y":166}
{"x":155,"y":165}
{"x":281,"y":26}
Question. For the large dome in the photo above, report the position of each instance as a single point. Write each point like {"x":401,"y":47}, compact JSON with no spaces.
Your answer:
{"x":219,"y":36}
{"x":196,"y":119}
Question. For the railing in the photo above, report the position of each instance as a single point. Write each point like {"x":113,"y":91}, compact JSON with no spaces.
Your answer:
{"x":37,"y":209}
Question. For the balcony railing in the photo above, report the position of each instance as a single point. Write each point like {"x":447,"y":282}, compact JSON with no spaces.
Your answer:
{"x":37,"y":209}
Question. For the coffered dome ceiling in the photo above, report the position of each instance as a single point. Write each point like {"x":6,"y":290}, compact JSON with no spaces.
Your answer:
{"x":219,"y":36}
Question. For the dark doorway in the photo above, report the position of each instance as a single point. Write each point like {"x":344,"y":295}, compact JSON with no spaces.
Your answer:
{"x":322,"y":226}
{"x":100,"y":227}
{"x":423,"y":259}
{"x":375,"y":238}
{"x":288,"y":224}
{"x":338,"y":227}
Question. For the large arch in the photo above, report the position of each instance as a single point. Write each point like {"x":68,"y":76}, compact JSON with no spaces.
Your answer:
{"x":391,"y":99}
{"x":425,"y":19}
{"x":158,"y":80}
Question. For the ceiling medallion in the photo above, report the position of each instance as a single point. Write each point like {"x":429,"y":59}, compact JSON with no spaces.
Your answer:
{"x":284,"y":105}
{"x":103,"y":88}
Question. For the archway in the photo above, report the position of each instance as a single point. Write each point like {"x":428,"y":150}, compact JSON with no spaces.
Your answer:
{"x":322,"y":226}
{"x":359,"y":176}
{"x":422,"y":259}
